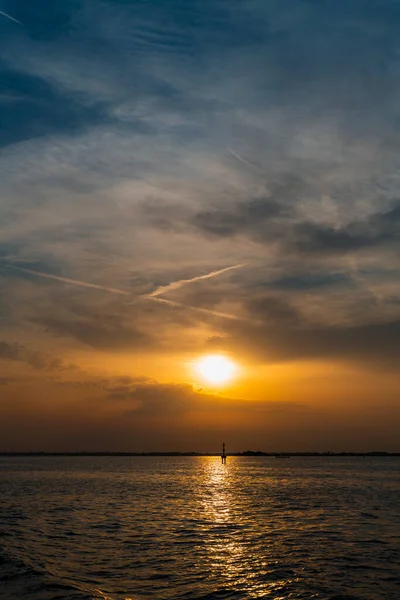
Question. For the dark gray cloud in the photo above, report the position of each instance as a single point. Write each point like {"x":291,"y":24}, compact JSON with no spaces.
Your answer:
{"x":273,"y":309}
{"x":10,"y":351}
{"x":266,"y":221}
{"x":256,"y":218}
{"x":101,"y":331}
{"x":371,"y":342}
{"x":303,"y":281}
{"x":155,"y":399}
{"x":380,"y":229}
{"x":34,"y":358}
{"x":148,"y":398}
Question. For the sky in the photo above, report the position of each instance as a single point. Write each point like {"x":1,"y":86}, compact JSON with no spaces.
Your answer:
{"x":189,"y":178}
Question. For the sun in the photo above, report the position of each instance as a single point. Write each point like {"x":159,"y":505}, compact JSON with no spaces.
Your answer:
{"x":216,"y":369}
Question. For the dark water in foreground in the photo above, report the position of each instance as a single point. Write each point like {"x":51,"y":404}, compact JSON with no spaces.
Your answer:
{"x":119,"y":528}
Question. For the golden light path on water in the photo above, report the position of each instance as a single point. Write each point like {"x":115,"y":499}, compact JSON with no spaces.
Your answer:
{"x":226,"y":548}
{"x":230,"y":545}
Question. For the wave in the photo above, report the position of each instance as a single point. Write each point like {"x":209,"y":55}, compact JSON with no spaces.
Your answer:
{"x":23,"y":581}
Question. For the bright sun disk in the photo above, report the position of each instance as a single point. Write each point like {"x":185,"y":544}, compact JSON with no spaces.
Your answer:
{"x":215,"y":369}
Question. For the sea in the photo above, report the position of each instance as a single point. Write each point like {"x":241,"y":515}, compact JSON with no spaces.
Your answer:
{"x":119,"y":528}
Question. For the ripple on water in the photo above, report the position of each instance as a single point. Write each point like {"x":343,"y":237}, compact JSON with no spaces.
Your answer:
{"x":103,"y":528}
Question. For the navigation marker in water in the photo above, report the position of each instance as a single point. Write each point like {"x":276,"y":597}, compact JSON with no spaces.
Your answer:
{"x":223,"y":455}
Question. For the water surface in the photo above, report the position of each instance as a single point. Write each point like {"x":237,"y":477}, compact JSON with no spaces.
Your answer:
{"x":76,"y":528}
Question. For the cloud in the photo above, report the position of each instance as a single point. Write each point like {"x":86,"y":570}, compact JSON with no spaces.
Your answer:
{"x":102,"y":332}
{"x":155,"y":399}
{"x":9,"y":351}
{"x":379,"y":229}
{"x":270,"y":309}
{"x":255,"y":218}
{"x":158,"y":143}
{"x":34,"y":358}
{"x":142,"y":397}
{"x":285,"y":337}
{"x":274,"y":220}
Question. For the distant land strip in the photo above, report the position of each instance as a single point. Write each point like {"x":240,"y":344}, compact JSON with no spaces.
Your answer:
{"x":246,"y":453}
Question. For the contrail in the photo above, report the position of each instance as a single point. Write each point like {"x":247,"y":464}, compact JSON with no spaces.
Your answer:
{"x":177,"y":284}
{"x":246,"y":162}
{"x":153,"y":297}
{"x":10,"y":17}
{"x":207,"y":311}
{"x":70,"y":281}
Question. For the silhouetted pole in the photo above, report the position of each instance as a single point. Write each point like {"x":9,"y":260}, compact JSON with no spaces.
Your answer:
{"x":223,"y":455}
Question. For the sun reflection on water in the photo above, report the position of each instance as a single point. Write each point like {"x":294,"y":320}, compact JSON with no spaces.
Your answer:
{"x":232,"y":555}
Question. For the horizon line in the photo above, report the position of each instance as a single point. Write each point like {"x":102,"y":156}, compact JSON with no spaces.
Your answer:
{"x":195,"y":453}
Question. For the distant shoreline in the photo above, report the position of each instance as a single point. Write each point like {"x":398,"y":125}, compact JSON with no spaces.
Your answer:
{"x":247,"y":453}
